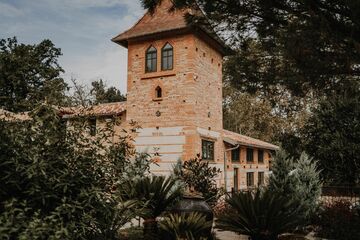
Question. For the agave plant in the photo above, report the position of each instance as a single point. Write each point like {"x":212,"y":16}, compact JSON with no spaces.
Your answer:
{"x":261,"y":214}
{"x":191,"y":226}
{"x":157,"y":194}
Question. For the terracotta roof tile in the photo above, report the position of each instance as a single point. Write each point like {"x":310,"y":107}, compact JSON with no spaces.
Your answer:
{"x":160,"y":21}
{"x":105,"y":109}
{"x":248,"y":141}
{"x":163,"y":20}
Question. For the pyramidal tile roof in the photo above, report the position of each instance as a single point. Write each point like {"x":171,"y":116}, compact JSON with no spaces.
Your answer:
{"x":162,"y":21}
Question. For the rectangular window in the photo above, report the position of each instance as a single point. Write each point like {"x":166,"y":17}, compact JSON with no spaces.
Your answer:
{"x":236,"y":179}
{"x":250,"y":179}
{"x":260,"y":156}
{"x":235,"y":155}
{"x":207,"y":150}
{"x":249,"y":155}
{"x":261,"y":179}
{"x":92,"y":126}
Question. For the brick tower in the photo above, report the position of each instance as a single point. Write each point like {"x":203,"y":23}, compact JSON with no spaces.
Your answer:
{"x":174,"y":91}
{"x":174,"y":88}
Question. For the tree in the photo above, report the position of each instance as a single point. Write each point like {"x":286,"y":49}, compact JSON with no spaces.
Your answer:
{"x":102,"y":94}
{"x":302,"y":45}
{"x":30,"y":74}
{"x":58,"y":183}
{"x":298,"y":180}
{"x":332,"y":136}
{"x":200,"y":177}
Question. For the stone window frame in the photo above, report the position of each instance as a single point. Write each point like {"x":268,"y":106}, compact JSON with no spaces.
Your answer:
{"x":207,"y":149}
{"x":171,"y":57}
{"x":151,"y":55}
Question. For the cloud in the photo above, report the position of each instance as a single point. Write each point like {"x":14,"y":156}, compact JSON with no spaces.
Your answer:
{"x":81,"y":28}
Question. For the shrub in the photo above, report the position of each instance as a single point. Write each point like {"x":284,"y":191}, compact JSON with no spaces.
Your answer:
{"x":157,"y":193}
{"x":261,"y":214}
{"x":199,"y":176}
{"x":192,"y":226}
{"x":59,"y":184}
{"x":338,"y":220}
{"x":297,"y":179}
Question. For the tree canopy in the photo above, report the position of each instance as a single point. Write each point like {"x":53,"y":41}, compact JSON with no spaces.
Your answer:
{"x":30,"y":74}
{"x":103,"y":94}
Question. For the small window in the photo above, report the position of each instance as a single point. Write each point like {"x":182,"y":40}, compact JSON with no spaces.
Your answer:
{"x":151,"y":60}
{"x":261,"y":179}
{"x":207,"y":150}
{"x":249,"y":155}
{"x":167,"y":58}
{"x":235,"y":155}
{"x":260,"y":156}
{"x":158,"y":92}
{"x":250,"y":179}
{"x":92,"y":126}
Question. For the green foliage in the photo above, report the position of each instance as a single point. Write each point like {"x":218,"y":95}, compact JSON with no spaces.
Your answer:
{"x":332,"y":136}
{"x":157,"y":193}
{"x":30,"y":74}
{"x":262,"y":215}
{"x":199,"y":176}
{"x":301,"y":45}
{"x":102,"y":94}
{"x":298,"y":180}
{"x":338,"y":220}
{"x":191,"y":226}
{"x":60,"y":184}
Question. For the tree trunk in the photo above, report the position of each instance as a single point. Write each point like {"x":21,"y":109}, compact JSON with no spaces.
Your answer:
{"x":150,"y":229}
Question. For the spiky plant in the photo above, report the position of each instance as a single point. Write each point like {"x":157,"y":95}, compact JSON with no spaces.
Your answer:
{"x":157,"y":194}
{"x":261,"y":214}
{"x":192,"y":226}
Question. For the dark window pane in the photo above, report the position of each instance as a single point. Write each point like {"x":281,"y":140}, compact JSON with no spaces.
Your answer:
{"x":151,"y":60}
{"x":207,"y":150}
{"x":260,"y":156}
{"x":261,"y":179}
{"x":250,"y":179}
{"x":249,"y":155}
{"x":235,"y":155}
{"x":92,"y":126}
{"x":167,"y":57}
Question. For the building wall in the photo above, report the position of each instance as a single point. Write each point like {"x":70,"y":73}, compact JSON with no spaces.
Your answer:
{"x":191,"y":106}
{"x":244,"y":167}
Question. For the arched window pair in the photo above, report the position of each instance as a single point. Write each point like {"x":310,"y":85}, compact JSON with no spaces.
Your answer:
{"x":167,"y":56}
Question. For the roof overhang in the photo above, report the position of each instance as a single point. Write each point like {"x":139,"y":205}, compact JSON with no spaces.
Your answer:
{"x":198,"y":31}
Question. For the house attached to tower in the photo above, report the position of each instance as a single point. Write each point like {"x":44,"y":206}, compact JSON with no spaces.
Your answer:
{"x":174,"y":92}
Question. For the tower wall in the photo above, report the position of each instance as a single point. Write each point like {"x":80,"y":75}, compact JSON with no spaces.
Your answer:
{"x":191,"y":105}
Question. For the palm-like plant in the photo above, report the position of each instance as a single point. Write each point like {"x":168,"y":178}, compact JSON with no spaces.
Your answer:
{"x":157,"y":194}
{"x":262,"y":215}
{"x":191,"y":226}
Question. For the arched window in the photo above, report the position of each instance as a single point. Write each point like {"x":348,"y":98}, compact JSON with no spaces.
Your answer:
{"x":151,"y":59}
{"x":158,"y":92}
{"x":167,"y":57}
